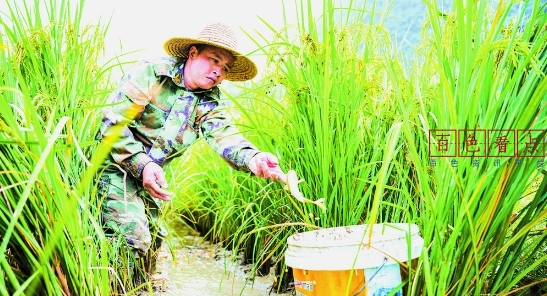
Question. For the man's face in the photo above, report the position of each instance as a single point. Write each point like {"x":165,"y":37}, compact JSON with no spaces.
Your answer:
{"x":207,"y":68}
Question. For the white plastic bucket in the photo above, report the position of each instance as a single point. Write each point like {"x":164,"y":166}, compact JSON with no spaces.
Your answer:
{"x":330,"y":261}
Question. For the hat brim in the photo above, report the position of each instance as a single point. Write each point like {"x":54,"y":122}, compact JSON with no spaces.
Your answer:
{"x":243,"y":68}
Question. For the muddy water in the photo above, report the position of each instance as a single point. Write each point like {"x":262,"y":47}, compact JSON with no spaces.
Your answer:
{"x":196,"y":267}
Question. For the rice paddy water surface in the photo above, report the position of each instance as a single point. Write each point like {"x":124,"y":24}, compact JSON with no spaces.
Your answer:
{"x":199,"y":267}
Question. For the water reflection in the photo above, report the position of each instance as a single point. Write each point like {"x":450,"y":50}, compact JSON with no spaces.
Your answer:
{"x":198,"y":267}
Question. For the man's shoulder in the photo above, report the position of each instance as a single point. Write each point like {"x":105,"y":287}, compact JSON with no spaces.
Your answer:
{"x":161,"y":66}
{"x":164,"y":66}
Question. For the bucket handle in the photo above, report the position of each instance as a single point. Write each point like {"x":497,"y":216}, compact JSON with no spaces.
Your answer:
{"x":375,"y":273}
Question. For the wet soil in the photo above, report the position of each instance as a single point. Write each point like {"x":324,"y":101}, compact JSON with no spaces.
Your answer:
{"x":193,"y":266}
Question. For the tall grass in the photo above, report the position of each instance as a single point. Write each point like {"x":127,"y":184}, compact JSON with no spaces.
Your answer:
{"x":478,"y":73}
{"x":338,"y":106}
{"x":50,"y":88}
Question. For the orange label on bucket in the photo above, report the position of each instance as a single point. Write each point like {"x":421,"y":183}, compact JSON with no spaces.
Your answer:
{"x":308,"y":286}
{"x":328,"y":282}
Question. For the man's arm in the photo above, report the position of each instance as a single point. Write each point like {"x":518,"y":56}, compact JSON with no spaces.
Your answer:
{"x":226,"y":140}
{"x":126,"y":105}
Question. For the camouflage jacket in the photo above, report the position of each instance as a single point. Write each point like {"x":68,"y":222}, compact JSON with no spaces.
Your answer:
{"x":161,"y":118}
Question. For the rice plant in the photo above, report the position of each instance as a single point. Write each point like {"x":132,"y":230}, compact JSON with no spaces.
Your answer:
{"x":50,"y":88}
{"x":479,"y":76}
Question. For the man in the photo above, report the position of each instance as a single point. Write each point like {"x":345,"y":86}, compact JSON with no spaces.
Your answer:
{"x":159,"y":108}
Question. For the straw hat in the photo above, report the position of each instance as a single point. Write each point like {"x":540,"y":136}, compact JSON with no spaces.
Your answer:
{"x":221,"y":36}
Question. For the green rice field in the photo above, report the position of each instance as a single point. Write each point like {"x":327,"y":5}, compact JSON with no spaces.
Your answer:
{"x":451,"y":138}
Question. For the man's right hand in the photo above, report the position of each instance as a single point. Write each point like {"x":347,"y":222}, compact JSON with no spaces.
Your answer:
{"x":153,"y":180}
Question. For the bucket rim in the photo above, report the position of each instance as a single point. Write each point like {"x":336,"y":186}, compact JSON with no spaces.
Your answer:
{"x":310,"y":251}
{"x":354,"y":235}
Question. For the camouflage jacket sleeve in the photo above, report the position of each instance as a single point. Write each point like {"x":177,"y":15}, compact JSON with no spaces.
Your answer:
{"x":128,"y":102}
{"x":220,"y":133}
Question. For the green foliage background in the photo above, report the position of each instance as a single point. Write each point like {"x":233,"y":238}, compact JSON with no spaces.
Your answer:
{"x":338,"y":104}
